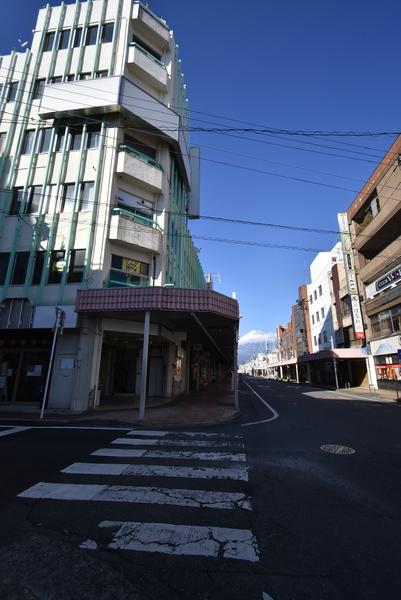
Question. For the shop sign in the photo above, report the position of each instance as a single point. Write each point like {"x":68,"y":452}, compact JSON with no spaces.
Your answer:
{"x":388,"y":279}
{"x":357,"y":317}
{"x":351,"y":277}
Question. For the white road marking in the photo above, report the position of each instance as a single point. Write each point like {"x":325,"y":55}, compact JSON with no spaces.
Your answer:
{"x":136,"y":494}
{"x":89,"y":545}
{"x":186,"y":455}
{"x":239,"y":474}
{"x":274,"y":412}
{"x":166,"y":538}
{"x":156,"y":442}
{"x":13,"y":430}
{"x":199,"y":434}
{"x":266,"y":596}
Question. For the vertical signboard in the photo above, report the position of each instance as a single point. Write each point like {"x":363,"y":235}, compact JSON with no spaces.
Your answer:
{"x":351,"y":277}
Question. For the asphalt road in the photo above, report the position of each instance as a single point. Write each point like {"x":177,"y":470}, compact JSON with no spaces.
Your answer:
{"x":253,"y":509}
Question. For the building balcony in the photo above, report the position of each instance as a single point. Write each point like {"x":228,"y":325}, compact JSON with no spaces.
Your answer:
{"x":118,"y":279}
{"x":147,"y":67}
{"x":150,"y":27}
{"x":380,"y":263}
{"x":132,"y":229}
{"x":385,"y":226}
{"x":140,"y":168}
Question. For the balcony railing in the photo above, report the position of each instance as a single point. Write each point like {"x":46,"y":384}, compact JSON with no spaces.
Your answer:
{"x":140,"y":155}
{"x":118,"y":278}
{"x":137,"y":218}
{"x":148,"y":54}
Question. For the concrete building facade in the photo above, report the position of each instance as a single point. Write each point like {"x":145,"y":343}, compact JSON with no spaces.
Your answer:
{"x":374,"y":220}
{"x":98,"y":182}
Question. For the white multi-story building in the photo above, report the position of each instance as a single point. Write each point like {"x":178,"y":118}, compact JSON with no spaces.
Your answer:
{"x":320,"y":300}
{"x":97,"y":185}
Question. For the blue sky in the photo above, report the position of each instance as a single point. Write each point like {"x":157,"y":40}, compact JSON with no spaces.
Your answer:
{"x":326,"y":66}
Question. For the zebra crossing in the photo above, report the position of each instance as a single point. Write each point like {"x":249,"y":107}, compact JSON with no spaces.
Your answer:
{"x":172,"y":463}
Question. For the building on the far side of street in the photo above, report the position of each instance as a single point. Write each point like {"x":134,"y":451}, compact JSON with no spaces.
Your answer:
{"x":374,"y":220}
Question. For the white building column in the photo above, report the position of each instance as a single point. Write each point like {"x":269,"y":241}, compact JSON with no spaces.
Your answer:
{"x":281,"y":372}
{"x":144,"y":373}
{"x":371,"y":369}
{"x":297,"y":372}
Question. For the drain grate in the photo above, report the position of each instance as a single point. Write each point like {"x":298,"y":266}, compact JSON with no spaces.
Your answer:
{"x":337,"y":449}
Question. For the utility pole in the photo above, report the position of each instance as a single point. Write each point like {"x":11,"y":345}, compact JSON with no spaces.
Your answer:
{"x":57,"y":329}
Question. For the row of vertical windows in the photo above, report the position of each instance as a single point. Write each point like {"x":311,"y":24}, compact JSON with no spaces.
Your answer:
{"x":35,"y":200}
{"x":11,"y":91}
{"x":90,"y":37}
{"x":321,"y":337}
{"x":315,"y":294}
{"x":40,"y":83}
{"x":56,"y":267}
{"x":75,"y":138}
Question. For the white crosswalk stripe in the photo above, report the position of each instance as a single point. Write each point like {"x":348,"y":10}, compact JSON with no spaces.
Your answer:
{"x":129,"y":453}
{"x":177,"y":539}
{"x":233,"y":474}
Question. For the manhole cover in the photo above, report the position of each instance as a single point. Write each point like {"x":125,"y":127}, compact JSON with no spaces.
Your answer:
{"x":337,"y":449}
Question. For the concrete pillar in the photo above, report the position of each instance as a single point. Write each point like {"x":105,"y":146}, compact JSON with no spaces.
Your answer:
{"x":144,"y":372}
{"x":296,"y":372}
{"x":281,"y":372}
{"x":85,"y":388}
{"x":335,"y":367}
{"x":169,"y":370}
{"x":309,"y":373}
{"x":371,"y":369}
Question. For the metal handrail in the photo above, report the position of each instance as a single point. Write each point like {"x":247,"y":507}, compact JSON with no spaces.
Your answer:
{"x":146,"y":221}
{"x":140,"y":155}
{"x":148,"y":54}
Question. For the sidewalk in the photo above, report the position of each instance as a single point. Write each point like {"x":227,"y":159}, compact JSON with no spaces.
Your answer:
{"x":381,"y":395}
{"x":211,"y":406}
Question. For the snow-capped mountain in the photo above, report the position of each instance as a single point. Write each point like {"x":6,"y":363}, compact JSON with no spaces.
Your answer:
{"x":253,"y":342}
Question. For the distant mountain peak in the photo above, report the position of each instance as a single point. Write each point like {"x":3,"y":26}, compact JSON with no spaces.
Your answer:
{"x":253,"y":343}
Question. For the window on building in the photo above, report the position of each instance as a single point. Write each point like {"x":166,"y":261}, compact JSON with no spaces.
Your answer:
{"x":56,"y":79}
{"x":320,"y":290}
{"x":76,"y":267}
{"x":44,"y":140}
{"x":38,"y":88}
{"x":107,"y":32}
{"x":396,"y":318}
{"x":33,"y":199}
{"x":49,"y":41}
{"x":317,"y":316}
{"x":75,"y":137}
{"x":313,"y":319}
{"x":12,"y":91}
{"x":4,"y":260}
{"x":20,"y":268}
{"x":60,"y":139}
{"x":127,"y":271}
{"x":386,"y":322}
{"x":322,"y":312}
{"x":50,"y":201}
{"x":86,"y":195}
{"x":56,"y":267}
{"x":140,"y":146}
{"x":77,"y":37}
{"x":310,"y":299}
{"x":3,"y":137}
{"x":67,"y":203}
{"x":91,"y":35}
{"x":28,"y":143}
{"x":101,"y":74}
{"x":38,"y":267}
{"x":84,"y":76}
{"x":93,"y":136}
{"x":315,"y":294}
{"x":315,"y":340}
{"x":64,"y":39}
{"x":324,"y":336}
{"x":17,"y":201}
{"x":70,"y":77}
{"x":319,"y":338}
